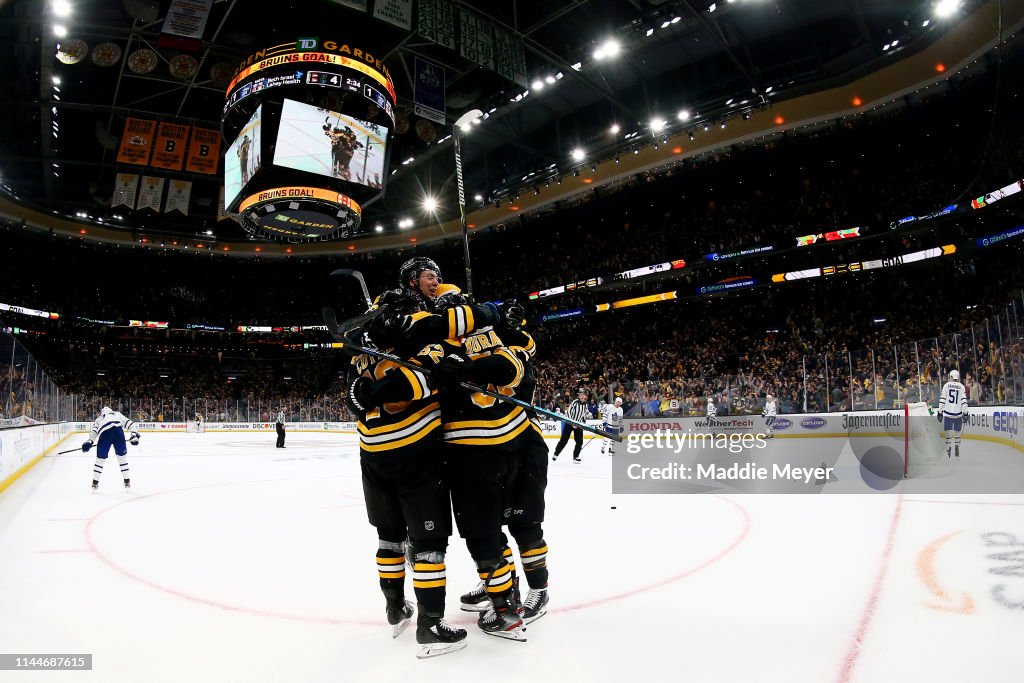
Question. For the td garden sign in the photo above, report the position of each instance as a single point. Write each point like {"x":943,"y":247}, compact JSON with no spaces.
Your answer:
{"x":299,"y":213}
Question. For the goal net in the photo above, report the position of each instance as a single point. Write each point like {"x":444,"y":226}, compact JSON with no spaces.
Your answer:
{"x":195,"y":426}
{"x":924,"y":452}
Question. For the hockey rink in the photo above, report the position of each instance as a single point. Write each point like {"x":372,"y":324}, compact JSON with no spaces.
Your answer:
{"x":230,"y":560}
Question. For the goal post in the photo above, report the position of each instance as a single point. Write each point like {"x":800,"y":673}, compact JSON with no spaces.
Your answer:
{"x":924,"y":446}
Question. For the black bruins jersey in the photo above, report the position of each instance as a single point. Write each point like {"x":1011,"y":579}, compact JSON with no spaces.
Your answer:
{"x":409,"y":411}
{"x":474,"y":418}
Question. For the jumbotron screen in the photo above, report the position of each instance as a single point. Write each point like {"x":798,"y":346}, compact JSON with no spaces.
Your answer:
{"x":331,"y":144}
{"x":242,"y":159}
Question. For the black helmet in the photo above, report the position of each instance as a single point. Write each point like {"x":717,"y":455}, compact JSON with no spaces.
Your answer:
{"x":412,"y":268}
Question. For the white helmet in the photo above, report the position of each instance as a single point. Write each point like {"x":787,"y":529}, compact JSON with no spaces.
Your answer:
{"x":618,"y":400}
{"x":106,"y":410}
{"x":954,"y":376}
{"x":711,"y":399}
{"x":769,"y":397}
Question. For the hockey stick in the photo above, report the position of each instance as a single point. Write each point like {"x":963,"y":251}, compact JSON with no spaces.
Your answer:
{"x":70,"y":450}
{"x":362,"y":282}
{"x":357,"y":349}
{"x":464,"y":123}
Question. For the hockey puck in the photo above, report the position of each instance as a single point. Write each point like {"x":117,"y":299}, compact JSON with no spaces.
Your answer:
{"x":613,"y":507}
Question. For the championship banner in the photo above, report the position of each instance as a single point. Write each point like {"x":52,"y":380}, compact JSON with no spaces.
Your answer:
{"x":126,"y":186}
{"x":428,"y":98}
{"x":477,"y":41}
{"x":437,"y":22}
{"x":203,"y":151}
{"x":354,"y":4}
{"x":151,"y":192}
{"x":509,"y":56}
{"x":179,"y":192}
{"x":136,"y":141}
{"x":395,"y":12}
{"x":169,"y":151}
{"x":187,"y":18}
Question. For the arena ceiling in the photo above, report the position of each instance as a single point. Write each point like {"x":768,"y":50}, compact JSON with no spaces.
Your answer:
{"x":62,"y":122}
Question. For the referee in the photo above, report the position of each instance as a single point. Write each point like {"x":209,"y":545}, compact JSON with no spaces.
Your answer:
{"x":579,"y":411}
{"x":279,"y":424}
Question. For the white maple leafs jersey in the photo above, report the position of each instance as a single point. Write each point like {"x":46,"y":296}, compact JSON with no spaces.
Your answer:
{"x":611,"y":414}
{"x":769,"y":409}
{"x":953,"y":400}
{"x":110,"y":421}
{"x":712,"y":409}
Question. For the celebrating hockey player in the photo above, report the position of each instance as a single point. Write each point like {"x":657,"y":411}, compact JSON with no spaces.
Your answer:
{"x":611,"y":415}
{"x":399,"y":422}
{"x":769,"y":414}
{"x":712,"y":408}
{"x":952,"y":411}
{"x":109,"y":428}
{"x":527,"y":488}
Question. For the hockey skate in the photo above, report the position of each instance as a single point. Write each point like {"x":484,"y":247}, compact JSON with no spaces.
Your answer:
{"x":577,"y":460}
{"x":127,"y":485}
{"x":436,"y":637}
{"x":95,"y":485}
{"x":536,"y":605}
{"x":399,"y":615}
{"x":949,"y":452}
{"x":475,"y":600}
{"x":956,"y":451}
{"x":503,"y":622}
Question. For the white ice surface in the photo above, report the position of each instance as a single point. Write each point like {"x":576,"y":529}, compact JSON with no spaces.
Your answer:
{"x":231,"y":560}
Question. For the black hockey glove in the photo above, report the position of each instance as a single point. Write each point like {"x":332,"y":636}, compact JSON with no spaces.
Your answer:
{"x":451,"y":370}
{"x":135,"y":439}
{"x":938,"y":416}
{"x":86,"y":446}
{"x":357,"y":394}
{"x":513,"y":313}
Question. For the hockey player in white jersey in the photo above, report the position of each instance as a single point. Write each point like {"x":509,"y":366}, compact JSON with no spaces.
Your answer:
{"x":611,"y":415}
{"x":769,"y":414}
{"x":952,"y":411}
{"x":109,"y":428}
{"x":712,"y":408}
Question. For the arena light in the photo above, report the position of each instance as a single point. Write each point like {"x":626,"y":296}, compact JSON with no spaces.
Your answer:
{"x":657,"y":125}
{"x":537,"y":84}
{"x":379,"y":228}
{"x":62,"y":8}
{"x":550,"y":80}
{"x":405,"y":223}
{"x":429,"y":204}
{"x":683,"y":115}
{"x":56,"y":79}
{"x":578,"y":154}
{"x":609,"y":49}
{"x":60,"y":30}
{"x":615,"y":129}
{"x":945,"y":8}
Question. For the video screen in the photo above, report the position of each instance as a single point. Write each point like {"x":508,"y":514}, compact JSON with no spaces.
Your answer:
{"x":331,"y":144}
{"x":242,"y":159}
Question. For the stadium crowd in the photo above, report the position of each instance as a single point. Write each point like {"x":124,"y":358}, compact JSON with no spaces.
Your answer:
{"x":875,"y":338}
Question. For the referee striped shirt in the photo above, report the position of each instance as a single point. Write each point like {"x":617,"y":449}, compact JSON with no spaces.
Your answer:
{"x":578,"y":410}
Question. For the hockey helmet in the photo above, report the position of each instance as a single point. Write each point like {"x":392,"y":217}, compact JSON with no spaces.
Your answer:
{"x":618,"y":400}
{"x":954,"y":376}
{"x":412,"y":268}
{"x":106,"y":410}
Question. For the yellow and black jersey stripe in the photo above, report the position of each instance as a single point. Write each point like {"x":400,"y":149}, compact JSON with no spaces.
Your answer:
{"x":432,"y":328}
{"x":478,"y":419}
{"x":407,"y":415}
